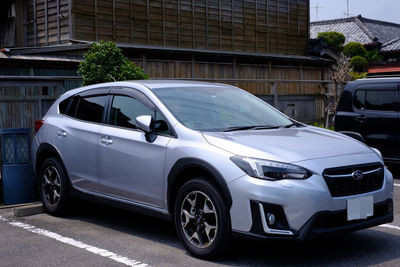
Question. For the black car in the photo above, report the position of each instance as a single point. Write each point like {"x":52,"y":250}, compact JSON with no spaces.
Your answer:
{"x":371,"y":108}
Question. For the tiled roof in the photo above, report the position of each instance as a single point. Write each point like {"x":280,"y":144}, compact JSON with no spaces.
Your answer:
{"x":393,"y":45}
{"x":358,"y":29}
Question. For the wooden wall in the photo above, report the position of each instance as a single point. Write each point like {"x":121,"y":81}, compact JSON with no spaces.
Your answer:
{"x":267,"y":26}
{"x":47,"y":22}
{"x":254,"y":78}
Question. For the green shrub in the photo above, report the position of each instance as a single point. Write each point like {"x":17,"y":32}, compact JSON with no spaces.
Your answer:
{"x":358,"y":63}
{"x":358,"y":75}
{"x":353,"y":49}
{"x":104,"y":62}
{"x":373,"y":55}
{"x":334,"y":40}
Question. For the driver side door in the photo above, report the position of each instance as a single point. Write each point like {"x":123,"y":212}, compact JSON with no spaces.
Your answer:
{"x":130,"y":167}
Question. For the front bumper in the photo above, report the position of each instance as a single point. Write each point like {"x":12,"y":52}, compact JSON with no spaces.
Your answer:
{"x":307,"y":205}
{"x":321,"y":224}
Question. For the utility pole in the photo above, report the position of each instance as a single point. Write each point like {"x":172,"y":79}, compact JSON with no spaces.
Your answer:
{"x":317,"y":7}
{"x":348,"y":8}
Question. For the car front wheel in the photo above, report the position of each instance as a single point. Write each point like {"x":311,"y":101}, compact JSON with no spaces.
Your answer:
{"x":202,"y":219}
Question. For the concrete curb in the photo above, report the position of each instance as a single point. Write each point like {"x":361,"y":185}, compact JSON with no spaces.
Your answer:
{"x":28,"y":210}
{"x":4,"y":207}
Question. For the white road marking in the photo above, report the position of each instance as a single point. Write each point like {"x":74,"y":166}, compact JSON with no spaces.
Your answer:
{"x":396,"y":184}
{"x":390,"y":226}
{"x":66,"y":240}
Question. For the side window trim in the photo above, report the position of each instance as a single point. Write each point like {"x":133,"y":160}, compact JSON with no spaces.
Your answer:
{"x":131,"y":92}
{"x":91,"y":93}
{"x":376,"y":87}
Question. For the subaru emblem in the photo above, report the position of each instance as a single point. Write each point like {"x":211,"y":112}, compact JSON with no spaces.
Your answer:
{"x":357,"y":175}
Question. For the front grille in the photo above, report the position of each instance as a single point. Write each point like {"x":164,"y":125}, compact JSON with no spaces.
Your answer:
{"x":341,"y":182}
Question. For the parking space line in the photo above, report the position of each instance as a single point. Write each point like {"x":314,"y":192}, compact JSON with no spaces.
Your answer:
{"x":396,"y":184}
{"x":390,"y":226}
{"x":78,"y":244}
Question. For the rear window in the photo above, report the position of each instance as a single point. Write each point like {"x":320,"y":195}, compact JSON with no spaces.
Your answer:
{"x":375,"y":99}
{"x":91,"y":108}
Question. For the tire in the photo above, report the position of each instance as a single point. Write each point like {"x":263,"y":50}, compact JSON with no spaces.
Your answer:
{"x":53,"y":187}
{"x":202,"y":219}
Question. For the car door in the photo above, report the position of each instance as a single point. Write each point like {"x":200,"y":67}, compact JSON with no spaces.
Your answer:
{"x":378,"y":118}
{"x":130,"y":167}
{"x":79,"y":138}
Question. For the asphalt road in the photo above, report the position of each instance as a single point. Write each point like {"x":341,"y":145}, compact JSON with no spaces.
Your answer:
{"x":95,"y":235}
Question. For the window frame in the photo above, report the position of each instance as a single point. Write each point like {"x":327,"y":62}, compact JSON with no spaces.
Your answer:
{"x":102,"y":91}
{"x":142,"y":98}
{"x":377,"y":87}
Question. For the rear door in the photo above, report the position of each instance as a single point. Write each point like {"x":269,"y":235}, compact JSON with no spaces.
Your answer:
{"x":376,"y":105}
{"x":79,"y":138}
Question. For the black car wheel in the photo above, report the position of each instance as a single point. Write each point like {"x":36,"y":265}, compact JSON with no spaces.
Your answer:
{"x":53,"y":186}
{"x":202,"y":219}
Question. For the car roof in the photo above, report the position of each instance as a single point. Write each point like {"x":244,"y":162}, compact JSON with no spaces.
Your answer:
{"x":351,"y":85}
{"x":157,"y":84}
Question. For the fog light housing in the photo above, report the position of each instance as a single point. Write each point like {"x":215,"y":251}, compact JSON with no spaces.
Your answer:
{"x":271,"y":219}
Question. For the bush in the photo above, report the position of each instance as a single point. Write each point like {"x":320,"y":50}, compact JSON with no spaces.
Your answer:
{"x":358,"y":75}
{"x":358,"y":63}
{"x":353,"y":49}
{"x":104,"y":62}
{"x":373,"y":55}
{"x":334,"y":40}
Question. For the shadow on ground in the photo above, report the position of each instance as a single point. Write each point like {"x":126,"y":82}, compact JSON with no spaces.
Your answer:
{"x":364,"y":247}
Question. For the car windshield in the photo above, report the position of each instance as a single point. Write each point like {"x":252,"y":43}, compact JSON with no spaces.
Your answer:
{"x":219,"y":109}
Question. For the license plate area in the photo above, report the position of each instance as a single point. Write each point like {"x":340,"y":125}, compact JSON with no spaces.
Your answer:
{"x":360,"y":208}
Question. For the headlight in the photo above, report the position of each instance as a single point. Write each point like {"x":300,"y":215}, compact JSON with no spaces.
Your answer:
{"x":270,"y":170}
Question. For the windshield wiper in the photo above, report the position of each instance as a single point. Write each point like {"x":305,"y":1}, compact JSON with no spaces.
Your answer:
{"x":256,"y":127}
{"x":238,"y":128}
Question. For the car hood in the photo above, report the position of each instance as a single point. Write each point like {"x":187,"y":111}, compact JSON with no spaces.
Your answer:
{"x":286,"y":144}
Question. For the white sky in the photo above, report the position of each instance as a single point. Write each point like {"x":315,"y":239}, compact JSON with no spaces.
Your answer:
{"x":386,"y":10}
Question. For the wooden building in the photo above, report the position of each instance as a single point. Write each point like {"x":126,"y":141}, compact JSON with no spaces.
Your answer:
{"x":257,"y":45}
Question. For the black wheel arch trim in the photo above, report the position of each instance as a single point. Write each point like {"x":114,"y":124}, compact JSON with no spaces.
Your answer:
{"x":47,"y":147}
{"x":187,"y":163}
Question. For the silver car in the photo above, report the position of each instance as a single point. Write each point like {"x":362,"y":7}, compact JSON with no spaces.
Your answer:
{"x":216,"y":160}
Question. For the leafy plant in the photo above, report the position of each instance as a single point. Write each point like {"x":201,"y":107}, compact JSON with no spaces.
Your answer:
{"x":104,"y":62}
{"x":321,"y":125}
{"x":334,"y":40}
{"x":373,"y":55}
{"x":353,"y":49}
{"x":358,"y":63}
{"x":358,"y":75}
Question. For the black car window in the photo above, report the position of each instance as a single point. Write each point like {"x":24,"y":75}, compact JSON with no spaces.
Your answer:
{"x":359,"y":100}
{"x":375,"y":99}
{"x":90,"y":108}
{"x":63,"y":106}
{"x":125,"y":109}
{"x":380,"y":100}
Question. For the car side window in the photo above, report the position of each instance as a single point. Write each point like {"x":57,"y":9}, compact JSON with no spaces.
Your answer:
{"x":375,"y":99}
{"x":90,"y":108}
{"x":380,"y":100}
{"x":125,"y":109}
{"x":359,"y":100}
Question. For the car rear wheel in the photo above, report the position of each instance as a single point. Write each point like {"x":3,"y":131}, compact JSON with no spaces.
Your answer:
{"x":53,"y":186}
{"x":202,"y":219}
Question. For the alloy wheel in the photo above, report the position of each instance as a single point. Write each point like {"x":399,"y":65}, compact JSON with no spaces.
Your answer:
{"x":51,"y":186}
{"x":199,"y":219}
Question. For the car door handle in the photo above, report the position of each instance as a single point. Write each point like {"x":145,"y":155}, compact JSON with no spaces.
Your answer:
{"x":61,"y":133}
{"x":106,"y":140}
{"x":361,"y":118}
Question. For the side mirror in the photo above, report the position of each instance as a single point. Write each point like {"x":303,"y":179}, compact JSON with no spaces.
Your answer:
{"x":144,"y":123}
